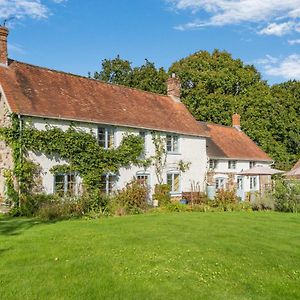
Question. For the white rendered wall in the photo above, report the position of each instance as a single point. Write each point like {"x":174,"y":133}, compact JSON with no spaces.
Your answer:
{"x":191,"y":149}
{"x":222,"y":171}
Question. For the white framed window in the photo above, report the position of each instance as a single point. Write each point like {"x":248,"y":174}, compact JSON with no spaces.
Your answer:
{"x":220,"y":183}
{"x":143,"y":135}
{"x":172,"y":143}
{"x":108,"y":183}
{"x":65,"y":184}
{"x":143,"y":178}
{"x":106,"y":137}
{"x":253,"y":182}
{"x":213,"y":164}
{"x":232,"y":164}
{"x":240,"y":183}
{"x":252,"y":164}
{"x":173,"y":180}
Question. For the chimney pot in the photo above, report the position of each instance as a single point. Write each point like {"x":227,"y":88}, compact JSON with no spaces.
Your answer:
{"x":3,"y":45}
{"x":236,"y":121}
{"x":174,"y":87}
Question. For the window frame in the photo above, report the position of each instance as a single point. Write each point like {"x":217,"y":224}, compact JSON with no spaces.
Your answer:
{"x":172,"y":140}
{"x":66,"y":183}
{"x":143,"y":134}
{"x":232,"y":164}
{"x":252,"y":164}
{"x":241,"y":180}
{"x":109,"y":131}
{"x":213,"y":164}
{"x":144,"y":174}
{"x":253,"y":183}
{"x":173,"y":174}
{"x":219,"y":187}
{"x":109,"y":186}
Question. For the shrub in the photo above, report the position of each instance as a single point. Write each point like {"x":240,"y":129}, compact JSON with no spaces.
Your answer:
{"x":94,"y":202}
{"x":195,"y":198}
{"x":265,"y":202}
{"x":287,"y":195}
{"x":162,"y":194}
{"x":30,"y":205}
{"x":61,"y":209}
{"x":177,"y":207}
{"x":131,"y":199}
{"x":224,"y":197}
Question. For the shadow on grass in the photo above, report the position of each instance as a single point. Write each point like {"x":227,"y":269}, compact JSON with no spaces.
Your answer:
{"x":15,"y":226}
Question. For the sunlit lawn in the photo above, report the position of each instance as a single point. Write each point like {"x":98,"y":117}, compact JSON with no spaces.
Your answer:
{"x":155,"y":256}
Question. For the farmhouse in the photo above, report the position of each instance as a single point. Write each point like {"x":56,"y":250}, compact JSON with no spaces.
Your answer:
{"x":42,"y":97}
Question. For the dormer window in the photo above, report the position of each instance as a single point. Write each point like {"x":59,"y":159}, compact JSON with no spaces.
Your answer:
{"x":106,"y":137}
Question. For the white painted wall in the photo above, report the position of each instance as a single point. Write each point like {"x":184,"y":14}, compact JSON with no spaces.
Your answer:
{"x":191,"y":149}
{"x":222,"y":171}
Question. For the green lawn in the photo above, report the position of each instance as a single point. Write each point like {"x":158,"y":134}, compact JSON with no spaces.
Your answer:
{"x":154,"y":256}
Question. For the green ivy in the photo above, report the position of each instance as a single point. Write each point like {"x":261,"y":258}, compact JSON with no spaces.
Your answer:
{"x":79,"y":148}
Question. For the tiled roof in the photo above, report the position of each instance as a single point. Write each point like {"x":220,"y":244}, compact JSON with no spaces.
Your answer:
{"x":41,"y":92}
{"x":229,"y":142}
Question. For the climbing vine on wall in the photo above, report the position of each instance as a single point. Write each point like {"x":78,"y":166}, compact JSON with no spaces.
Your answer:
{"x":79,"y":148}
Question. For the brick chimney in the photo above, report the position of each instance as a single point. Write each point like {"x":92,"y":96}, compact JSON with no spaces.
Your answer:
{"x":174,"y":87}
{"x":236,"y":121}
{"x":3,"y":45}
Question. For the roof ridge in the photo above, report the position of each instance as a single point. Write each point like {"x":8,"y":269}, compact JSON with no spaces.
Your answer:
{"x":84,"y":77}
{"x":220,"y":125}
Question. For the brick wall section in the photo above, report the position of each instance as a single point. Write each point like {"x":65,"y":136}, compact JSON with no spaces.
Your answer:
{"x":6,"y":161}
{"x":3,"y":45}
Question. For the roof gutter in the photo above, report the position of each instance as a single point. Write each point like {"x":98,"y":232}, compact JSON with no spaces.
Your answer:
{"x":110,"y":124}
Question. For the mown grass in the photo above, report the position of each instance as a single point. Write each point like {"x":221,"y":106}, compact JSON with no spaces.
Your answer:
{"x":155,"y":256}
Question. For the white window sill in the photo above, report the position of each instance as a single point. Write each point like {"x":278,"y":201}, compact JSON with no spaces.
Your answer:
{"x":173,"y":153}
{"x":175,"y":193}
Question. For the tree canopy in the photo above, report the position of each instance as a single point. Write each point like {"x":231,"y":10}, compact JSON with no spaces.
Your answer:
{"x":146,"y":77}
{"x":215,"y":86}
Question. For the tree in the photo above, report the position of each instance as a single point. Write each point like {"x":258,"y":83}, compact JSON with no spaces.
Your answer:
{"x":214,"y":86}
{"x":146,"y":77}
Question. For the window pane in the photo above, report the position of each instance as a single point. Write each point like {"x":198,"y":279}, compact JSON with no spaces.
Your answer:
{"x":110,"y":138}
{"x":175,"y":143}
{"x":103,"y":183}
{"x":101,"y":137}
{"x":59,"y":184}
{"x":169,"y":143}
{"x":143,"y":179}
{"x":170,"y":181}
{"x":111,"y":183}
{"x":71,"y":184}
{"x":143,"y":136}
{"x":176,"y":183}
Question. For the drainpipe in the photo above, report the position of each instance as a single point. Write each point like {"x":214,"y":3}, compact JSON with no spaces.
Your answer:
{"x":21,"y":154}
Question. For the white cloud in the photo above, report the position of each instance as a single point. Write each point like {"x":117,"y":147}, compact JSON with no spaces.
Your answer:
{"x":294,"y":42}
{"x":287,"y":67}
{"x":24,"y":8}
{"x":225,"y":12}
{"x":269,"y":59}
{"x":279,"y":29}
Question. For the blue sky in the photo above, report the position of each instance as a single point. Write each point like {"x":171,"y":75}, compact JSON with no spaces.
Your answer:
{"x":75,"y":35}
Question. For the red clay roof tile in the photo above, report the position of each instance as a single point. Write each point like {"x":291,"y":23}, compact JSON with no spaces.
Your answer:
{"x":229,"y":142}
{"x":41,"y":92}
